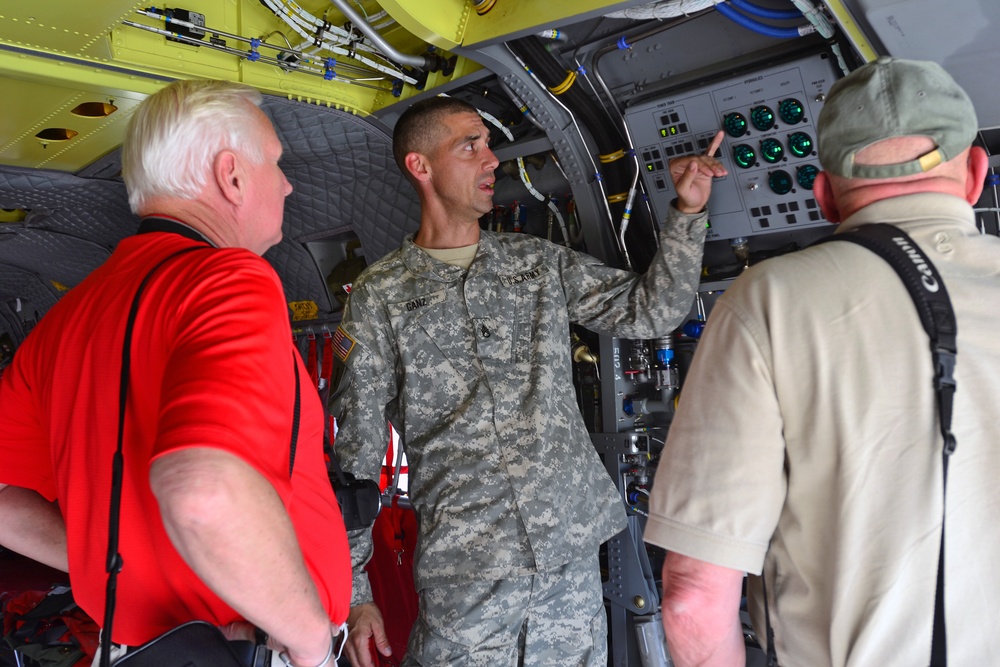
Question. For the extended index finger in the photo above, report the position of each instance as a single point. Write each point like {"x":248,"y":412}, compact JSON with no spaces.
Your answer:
{"x":716,"y":142}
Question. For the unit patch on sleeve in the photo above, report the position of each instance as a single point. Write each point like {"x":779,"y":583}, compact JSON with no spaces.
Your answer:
{"x":343,"y":345}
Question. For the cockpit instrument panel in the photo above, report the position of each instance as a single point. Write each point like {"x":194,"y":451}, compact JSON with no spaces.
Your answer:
{"x":769,"y":119}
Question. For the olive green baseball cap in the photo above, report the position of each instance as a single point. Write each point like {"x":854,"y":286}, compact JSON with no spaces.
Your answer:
{"x":892,"y":97}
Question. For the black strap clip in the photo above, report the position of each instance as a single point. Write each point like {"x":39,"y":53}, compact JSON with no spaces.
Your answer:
{"x":944,"y":369}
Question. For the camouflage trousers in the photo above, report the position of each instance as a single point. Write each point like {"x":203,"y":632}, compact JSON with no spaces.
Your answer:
{"x":549,"y":619}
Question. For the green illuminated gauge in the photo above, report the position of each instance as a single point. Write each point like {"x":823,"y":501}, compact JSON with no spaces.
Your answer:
{"x":800,"y":144}
{"x":771,"y":150}
{"x":791,"y":111}
{"x":762,"y":118}
{"x":806,"y":175}
{"x":735,"y":124}
{"x":744,"y":156}
{"x":780,"y":181}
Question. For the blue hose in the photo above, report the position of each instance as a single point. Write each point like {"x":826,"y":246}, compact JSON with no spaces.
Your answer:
{"x":764,"y":12}
{"x":756,"y":26}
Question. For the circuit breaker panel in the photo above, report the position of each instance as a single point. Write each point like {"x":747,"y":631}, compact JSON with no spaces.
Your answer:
{"x":769,"y":118}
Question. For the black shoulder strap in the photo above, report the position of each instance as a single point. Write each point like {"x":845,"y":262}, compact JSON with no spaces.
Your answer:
{"x":114,"y":560}
{"x":930,"y":297}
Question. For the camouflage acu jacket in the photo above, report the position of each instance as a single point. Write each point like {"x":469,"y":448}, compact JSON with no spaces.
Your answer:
{"x":474,"y":370}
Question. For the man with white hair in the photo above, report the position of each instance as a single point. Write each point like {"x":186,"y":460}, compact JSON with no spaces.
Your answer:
{"x":227,"y":513}
{"x":807,"y":448}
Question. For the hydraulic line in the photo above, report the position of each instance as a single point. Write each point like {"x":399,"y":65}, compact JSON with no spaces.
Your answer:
{"x":387,"y":22}
{"x":599,"y":181}
{"x":626,"y":42}
{"x":763,"y":28}
{"x":611,"y":104}
{"x":268,"y":36}
{"x":253,"y":42}
{"x":307,"y":25}
{"x":304,"y":65}
{"x":552,"y":75}
{"x":571,"y":231}
{"x":554,"y":35}
{"x":765,"y":12}
{"x":314,"y":30}
{"x":256,"y":43}
{"x":521,"y":106}
{"x":675,"y":8}
{"x":420,"y":62}
{"x":549,"y":202}
{"x":629,"y":151}
{"x":825,"y":28}
{"x":664,"y":10}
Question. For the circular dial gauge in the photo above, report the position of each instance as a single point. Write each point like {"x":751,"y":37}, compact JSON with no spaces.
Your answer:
{"x":791,"y":111}
{"x":780,"y":181}
{"x":806,"y":175}
{"x":771,"y":150}
{"x":735,"y":124}
{"x":744,"y":156}
{"x":762,"y":117}
{"x":800,"y":144}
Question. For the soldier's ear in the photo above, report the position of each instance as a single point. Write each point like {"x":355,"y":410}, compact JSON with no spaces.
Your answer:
{"x":418,"y":165}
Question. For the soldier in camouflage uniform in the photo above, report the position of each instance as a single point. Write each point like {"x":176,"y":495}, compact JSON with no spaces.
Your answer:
{"x":461,"y":339}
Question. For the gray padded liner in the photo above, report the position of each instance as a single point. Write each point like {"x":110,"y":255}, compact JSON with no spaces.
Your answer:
{"x":344,"y":174}
{"x":34,"y":291}
{"x":339,"y":164}
{"x":66,"y":259}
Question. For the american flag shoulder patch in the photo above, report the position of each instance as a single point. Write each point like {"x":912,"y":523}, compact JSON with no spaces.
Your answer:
{"x":343,"y":344}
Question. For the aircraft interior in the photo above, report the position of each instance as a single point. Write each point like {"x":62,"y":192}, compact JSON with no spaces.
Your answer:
{"x":586,"y":100}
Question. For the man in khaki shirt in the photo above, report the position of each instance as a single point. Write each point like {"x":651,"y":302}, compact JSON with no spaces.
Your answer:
{"x":807,"y":446}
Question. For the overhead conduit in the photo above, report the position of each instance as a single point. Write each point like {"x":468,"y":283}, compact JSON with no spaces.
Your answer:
{"x":429,"y":63}
{"x":765,"y":29}
{"x":807,"y":9}
{"x":639,"y":241}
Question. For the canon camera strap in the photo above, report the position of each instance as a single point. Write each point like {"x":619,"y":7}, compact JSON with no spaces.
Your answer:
{"x":930,"y":297}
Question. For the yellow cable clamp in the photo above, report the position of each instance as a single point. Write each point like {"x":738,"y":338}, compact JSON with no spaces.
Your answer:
{"x":565,"y":85}
{"x":611,"y":157}
{"x":614,"y":199}
{"x":485,"y":6}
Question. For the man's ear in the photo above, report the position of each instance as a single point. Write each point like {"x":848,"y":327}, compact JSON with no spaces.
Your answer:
{"x":979,"y":164}
{"x":823,"y":191}
{"x":229,"y":176}
{"x":418,"y":166}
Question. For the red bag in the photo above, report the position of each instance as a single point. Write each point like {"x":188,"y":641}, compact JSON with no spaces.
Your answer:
{"x":390,"y":570}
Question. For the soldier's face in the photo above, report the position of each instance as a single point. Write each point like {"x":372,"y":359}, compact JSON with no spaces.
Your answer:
{"x":461,"y":166}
